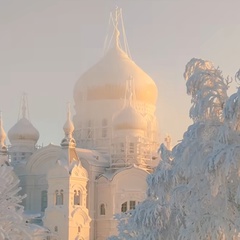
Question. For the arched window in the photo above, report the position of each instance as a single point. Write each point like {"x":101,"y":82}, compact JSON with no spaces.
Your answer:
{"x":104,"y":128}
{"x":79,"y":229}
{"x":43,"y":200}
{"x":56,"y":197}
{"x":77,"y":196}
{"x":124,"y":207}
{"x":102,"y":209}
{"x":59,"y":197}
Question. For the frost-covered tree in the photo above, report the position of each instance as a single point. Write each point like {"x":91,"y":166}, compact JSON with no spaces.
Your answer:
{"x":196,"y":193}
{"x":150,"y":218}
{"x":12,"y":224}
{"x":192,"y":194}
{"x":207,"y":88}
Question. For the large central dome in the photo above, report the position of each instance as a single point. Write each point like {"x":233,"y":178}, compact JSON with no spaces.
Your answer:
{"x":100,"y":92}
{"x":107,"y":79}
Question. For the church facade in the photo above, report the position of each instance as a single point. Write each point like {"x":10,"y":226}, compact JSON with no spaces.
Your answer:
{"x":108,"y":149}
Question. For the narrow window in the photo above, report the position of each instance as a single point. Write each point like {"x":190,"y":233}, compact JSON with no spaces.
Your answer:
{"x":76,"y":197}
{"x":56,"y":197}
{"x":79,"y":229}
{"x":43,"y":200}
{"x":124,"y":207}
{"x":102,"y":209}
{"x":59,"y":197}
{"x":132,"y":205}
{"x":56,"y":229}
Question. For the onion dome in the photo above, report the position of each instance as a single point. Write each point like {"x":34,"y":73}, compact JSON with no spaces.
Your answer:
{"x":106,"y":79}
{"x":23,"y":130}
{"x":129,"y":118}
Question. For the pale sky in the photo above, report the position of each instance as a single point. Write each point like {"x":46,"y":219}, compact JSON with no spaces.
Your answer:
{"x":46,"y":45}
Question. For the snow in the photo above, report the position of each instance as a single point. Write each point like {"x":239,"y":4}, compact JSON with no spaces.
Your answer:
{"x":12,"y":224}
{"x":194,"y":192}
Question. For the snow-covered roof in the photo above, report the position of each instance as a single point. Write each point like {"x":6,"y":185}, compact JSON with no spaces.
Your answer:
{"x":92,"y":156}
{"x":37,"y":230}
{"x":110,"y":174}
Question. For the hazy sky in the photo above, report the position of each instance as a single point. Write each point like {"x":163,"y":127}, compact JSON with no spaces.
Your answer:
{"x":46,"y":45}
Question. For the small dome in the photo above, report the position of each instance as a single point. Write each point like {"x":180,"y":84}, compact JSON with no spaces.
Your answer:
{"x":23,"y":130}
{"x":129,"y":118}
{"x":106,"y":79}
{"x":68,"y":127}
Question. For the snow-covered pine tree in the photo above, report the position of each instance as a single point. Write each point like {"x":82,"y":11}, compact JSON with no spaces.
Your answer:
{"x":11,"y":219}
{"x":12,"y":224}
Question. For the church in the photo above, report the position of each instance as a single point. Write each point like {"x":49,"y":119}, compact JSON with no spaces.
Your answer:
{"x":109,"y":146}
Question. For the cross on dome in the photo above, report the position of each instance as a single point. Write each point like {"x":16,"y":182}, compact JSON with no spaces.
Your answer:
{"x":23,"y":131}
{"x":68,"y":128}
{"x":129,"y":118}
{"x":23,"y":111}
{"x":116,"y":22}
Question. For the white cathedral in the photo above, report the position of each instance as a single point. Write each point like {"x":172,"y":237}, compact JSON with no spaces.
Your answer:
{"x":108,"y":149}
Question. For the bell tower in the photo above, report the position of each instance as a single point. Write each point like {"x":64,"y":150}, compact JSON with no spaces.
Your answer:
{"x":67,"y":215}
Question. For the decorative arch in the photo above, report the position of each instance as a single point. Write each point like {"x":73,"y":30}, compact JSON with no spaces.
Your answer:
{"x":79,"y":171}
{"x":44,"y":158}
{"x":79,"y":214}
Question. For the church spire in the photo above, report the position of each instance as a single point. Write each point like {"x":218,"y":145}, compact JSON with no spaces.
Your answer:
{"x":23,"y":111}
{"x":3,"y":136}
{"x":116,"y":25}
{"x":68,"y":130}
